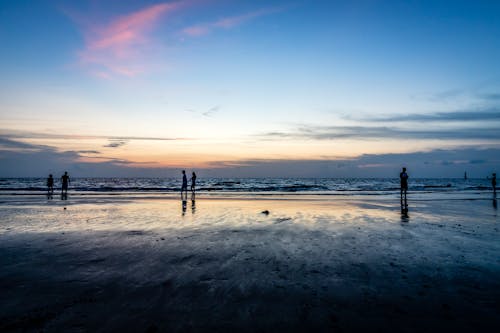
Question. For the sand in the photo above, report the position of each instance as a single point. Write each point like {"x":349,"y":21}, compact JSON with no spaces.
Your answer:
{"x":336,"y":264}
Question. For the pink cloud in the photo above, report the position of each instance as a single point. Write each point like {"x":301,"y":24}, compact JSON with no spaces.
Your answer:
{"x":130,"y":28}
{"x":228,"y":22}
{"x":122,"y":45}
{"x":196,"y":31}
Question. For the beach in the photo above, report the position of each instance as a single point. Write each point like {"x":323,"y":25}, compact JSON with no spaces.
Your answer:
{"x":249,"y":264}
{"x":278,"y":166}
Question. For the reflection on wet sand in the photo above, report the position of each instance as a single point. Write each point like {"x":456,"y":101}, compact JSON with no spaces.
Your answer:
{"x":404,"y":216}
{"x":184,"y":207}
{"x":404,"y":207}
{"x":318,"y":264}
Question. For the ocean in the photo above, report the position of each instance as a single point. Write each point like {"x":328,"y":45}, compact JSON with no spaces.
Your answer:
{"x":248,"y":186}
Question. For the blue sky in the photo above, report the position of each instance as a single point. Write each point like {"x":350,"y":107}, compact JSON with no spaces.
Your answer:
{"x":149,"y":87}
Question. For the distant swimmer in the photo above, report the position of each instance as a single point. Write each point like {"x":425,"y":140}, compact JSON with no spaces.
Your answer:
{"x":184,"y":187}
{"x":50,"y":186}
{"x":65,"y":183}
{"x":494,"y":182}
{"x":403,"y":176}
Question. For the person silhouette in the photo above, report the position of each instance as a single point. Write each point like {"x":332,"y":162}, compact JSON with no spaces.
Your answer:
{"x":403,"y":176}
{"x":50,"y":186}
{"x":494,"y":183}
{"x":65,"y":183}
{"x":184,"y":185}
{"x":193,"y":185}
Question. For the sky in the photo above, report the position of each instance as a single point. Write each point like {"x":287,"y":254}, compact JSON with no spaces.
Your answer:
{"x":249,"y":88}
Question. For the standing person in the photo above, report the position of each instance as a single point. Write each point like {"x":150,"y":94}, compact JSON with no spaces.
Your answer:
{"x":184,"y":187}
{"x":494,"y":183}
{"x":193,"y":184}
{"x":65,"y":184}
{"x":50,"y":186}
{"x":403,"y":176}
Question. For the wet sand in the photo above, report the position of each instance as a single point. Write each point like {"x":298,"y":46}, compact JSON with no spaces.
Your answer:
{"x":327,"y":265}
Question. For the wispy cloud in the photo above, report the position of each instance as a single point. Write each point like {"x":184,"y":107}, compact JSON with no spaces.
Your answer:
{"x":446,"y":95}
{"x":383,"y":132}
{"x":210,"y":112}
{"x":88,"y":152}
{"x":229,"y":22}
{"x":117,"y":161}
{"x":494,"y":97}
{"x":124,"y":46}
{"x":7,"y":143}
{"x":12,"y":134}
{"x":18,"y":158}
{"x":478,"y":161}
{"x":119,"y":46}
{"x":113,"y":143}
{"x":25,"y":159}
{"x":484,"y":114}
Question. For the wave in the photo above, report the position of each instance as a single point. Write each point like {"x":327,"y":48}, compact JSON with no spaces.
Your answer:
{"x":247,"y":185}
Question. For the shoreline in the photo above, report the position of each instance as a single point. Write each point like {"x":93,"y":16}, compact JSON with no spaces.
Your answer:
{"x":357,"y":195}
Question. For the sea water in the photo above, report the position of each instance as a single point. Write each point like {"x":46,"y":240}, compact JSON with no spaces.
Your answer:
{"x":249,"y":186}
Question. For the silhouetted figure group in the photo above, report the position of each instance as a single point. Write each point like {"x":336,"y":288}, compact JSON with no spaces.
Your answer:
{"x":64,"y":187}
{"x":184,"y":187}
{"x":403,"y":176}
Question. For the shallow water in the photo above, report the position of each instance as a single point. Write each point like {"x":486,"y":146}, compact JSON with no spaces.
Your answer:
{"x":32,"y":214}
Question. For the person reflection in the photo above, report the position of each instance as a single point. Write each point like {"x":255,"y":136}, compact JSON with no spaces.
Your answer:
{"x":405,"y":217}
{"x":494,"y":184}
{"x":495,"y":200}
{"x":193,"y":206}
{"x":184,"y":205}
